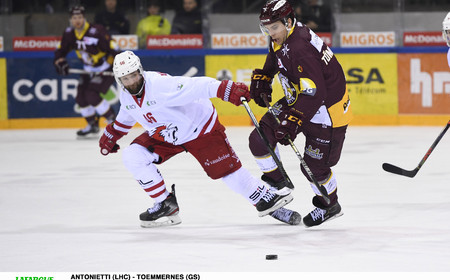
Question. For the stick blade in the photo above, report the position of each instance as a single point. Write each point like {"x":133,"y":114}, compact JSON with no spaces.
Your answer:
{"x":399,"y":171}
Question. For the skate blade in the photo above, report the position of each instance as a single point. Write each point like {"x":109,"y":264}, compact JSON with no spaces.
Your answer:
{"x":327,"y":220}
{"x":294,"y":220}
{"x":162,"y":222}
{"x":280,"y":203}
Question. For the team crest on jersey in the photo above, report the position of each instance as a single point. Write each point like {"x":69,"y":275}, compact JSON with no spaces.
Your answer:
{"x":165,"y":133}
{"x":289,"y":91}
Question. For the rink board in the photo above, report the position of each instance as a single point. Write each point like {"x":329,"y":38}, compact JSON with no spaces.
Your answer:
{"x":395,"y":86}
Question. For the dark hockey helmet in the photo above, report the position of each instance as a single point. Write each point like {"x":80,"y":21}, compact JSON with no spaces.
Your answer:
{"x":275,"y":10}
{"x":76,"y":10}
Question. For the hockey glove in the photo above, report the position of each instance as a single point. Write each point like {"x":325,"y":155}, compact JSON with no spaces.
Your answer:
{"x":62,"y":67}
{"x":290,"y":125}
{"x":260,"y":86}
{"x":232,"y":92}
{"x":108,"y":140}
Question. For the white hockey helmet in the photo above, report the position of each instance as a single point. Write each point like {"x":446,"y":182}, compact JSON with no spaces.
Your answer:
{"x":126,"y":63}
{"x":446,"y":29}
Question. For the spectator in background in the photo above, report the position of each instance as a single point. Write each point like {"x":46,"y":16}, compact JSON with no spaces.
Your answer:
{"x":188,"y":20}
{"x":153,"y":24}
{"x":112,"y":19}
{"x":318,"y":17}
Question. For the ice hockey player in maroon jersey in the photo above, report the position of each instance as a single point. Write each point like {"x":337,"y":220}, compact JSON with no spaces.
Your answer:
{"x":316,"y":103}
{"x":95,"y":48}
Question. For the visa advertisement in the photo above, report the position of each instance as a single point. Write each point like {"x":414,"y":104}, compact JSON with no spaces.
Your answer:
{"x":371,"y":82}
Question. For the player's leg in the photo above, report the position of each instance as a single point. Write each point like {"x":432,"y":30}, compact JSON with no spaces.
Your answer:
{"x":97,"y":85}
{"x":87,"y":111}
{"x":214,"y":152}
{"x":259,"y":149}
{"x":323,"y":148}
{"x":140,"y":158}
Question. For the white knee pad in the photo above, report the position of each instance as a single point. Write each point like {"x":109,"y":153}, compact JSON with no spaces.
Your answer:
{"x":102,"y":108}
{"x":267,"y":164}
{"x":243,"y":183}
{"x":87,"y":111}
{"x":137,"y":159}
{"x":330,"y":185}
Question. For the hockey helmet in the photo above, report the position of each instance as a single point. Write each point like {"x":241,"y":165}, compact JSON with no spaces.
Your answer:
{"x":446,"y":29}
{"x":76,"y":10}
{"x":276,"y":10}
{"x":126,"y":63}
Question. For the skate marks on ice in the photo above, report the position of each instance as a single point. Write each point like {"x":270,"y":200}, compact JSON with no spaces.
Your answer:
{"x":65,"y":207}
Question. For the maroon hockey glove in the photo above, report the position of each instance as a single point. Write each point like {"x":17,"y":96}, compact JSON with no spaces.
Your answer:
{"x":108,"y":140}
{"x":261,"y":86}
{"x":290,"y":125}
{"x":62,"y":67}
{"x":232,"y":92}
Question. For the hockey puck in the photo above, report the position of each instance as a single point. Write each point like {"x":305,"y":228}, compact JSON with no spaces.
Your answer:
{"x":271,"y":257}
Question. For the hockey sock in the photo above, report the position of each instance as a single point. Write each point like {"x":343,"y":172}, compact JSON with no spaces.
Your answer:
{"x":243,"y":183}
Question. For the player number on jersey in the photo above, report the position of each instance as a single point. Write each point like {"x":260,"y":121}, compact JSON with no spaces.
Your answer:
{"x":149,"y":117}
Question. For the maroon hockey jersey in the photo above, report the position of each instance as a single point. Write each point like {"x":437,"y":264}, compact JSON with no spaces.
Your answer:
{"x":93,"y":46}
{"x":312,"y":79}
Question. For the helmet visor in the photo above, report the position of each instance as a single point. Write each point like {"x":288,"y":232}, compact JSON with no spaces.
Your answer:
{"x":446,"y":36}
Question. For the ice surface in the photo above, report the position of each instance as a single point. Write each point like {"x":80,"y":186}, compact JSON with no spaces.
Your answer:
{"x":65,"y":207}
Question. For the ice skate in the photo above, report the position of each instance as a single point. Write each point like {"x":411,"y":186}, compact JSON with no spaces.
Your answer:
{"x":164,"y":213}
{"x":89,"y":129}
{"x":287,"y":216}
{"x":322,"y":213}
{"x":282,"y":188}
{"x":271,"y":201}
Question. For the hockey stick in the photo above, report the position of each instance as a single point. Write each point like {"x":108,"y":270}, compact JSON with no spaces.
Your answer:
{"x":320,"y":187}
{"x":266,"y":141}
{"x":81,"y":71}
{"x":411,"y":173}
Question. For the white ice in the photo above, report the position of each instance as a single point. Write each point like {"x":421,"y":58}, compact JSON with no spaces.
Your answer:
{"x":65,"y":207}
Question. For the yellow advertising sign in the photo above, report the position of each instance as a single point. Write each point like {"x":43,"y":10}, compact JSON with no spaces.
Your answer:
{"x":3,"y":93}
{"x":371,"y":82}
{"x":238,"y":68}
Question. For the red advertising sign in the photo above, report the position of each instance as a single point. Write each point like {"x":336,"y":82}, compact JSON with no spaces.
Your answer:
{"x":36,"y":43}
{"x":188,"y":41}
{"x":326,"y":37}
{"x":423,"y":39}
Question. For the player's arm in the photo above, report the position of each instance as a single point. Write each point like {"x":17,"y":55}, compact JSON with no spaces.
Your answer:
{"x":183,"y":90}
{"x":60,"y":62}
{"x":261,"y":81}
{"x":114,"y":131}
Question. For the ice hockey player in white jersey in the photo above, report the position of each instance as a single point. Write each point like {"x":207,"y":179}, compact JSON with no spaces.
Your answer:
{"x":178,"y":116}
{"x":446,"y":34}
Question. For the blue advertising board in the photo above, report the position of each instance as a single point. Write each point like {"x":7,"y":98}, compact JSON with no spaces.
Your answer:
{"x":36,"y":91}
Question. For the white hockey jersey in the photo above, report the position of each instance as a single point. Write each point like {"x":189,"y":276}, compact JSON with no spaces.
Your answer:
{"x":172,"y":109}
